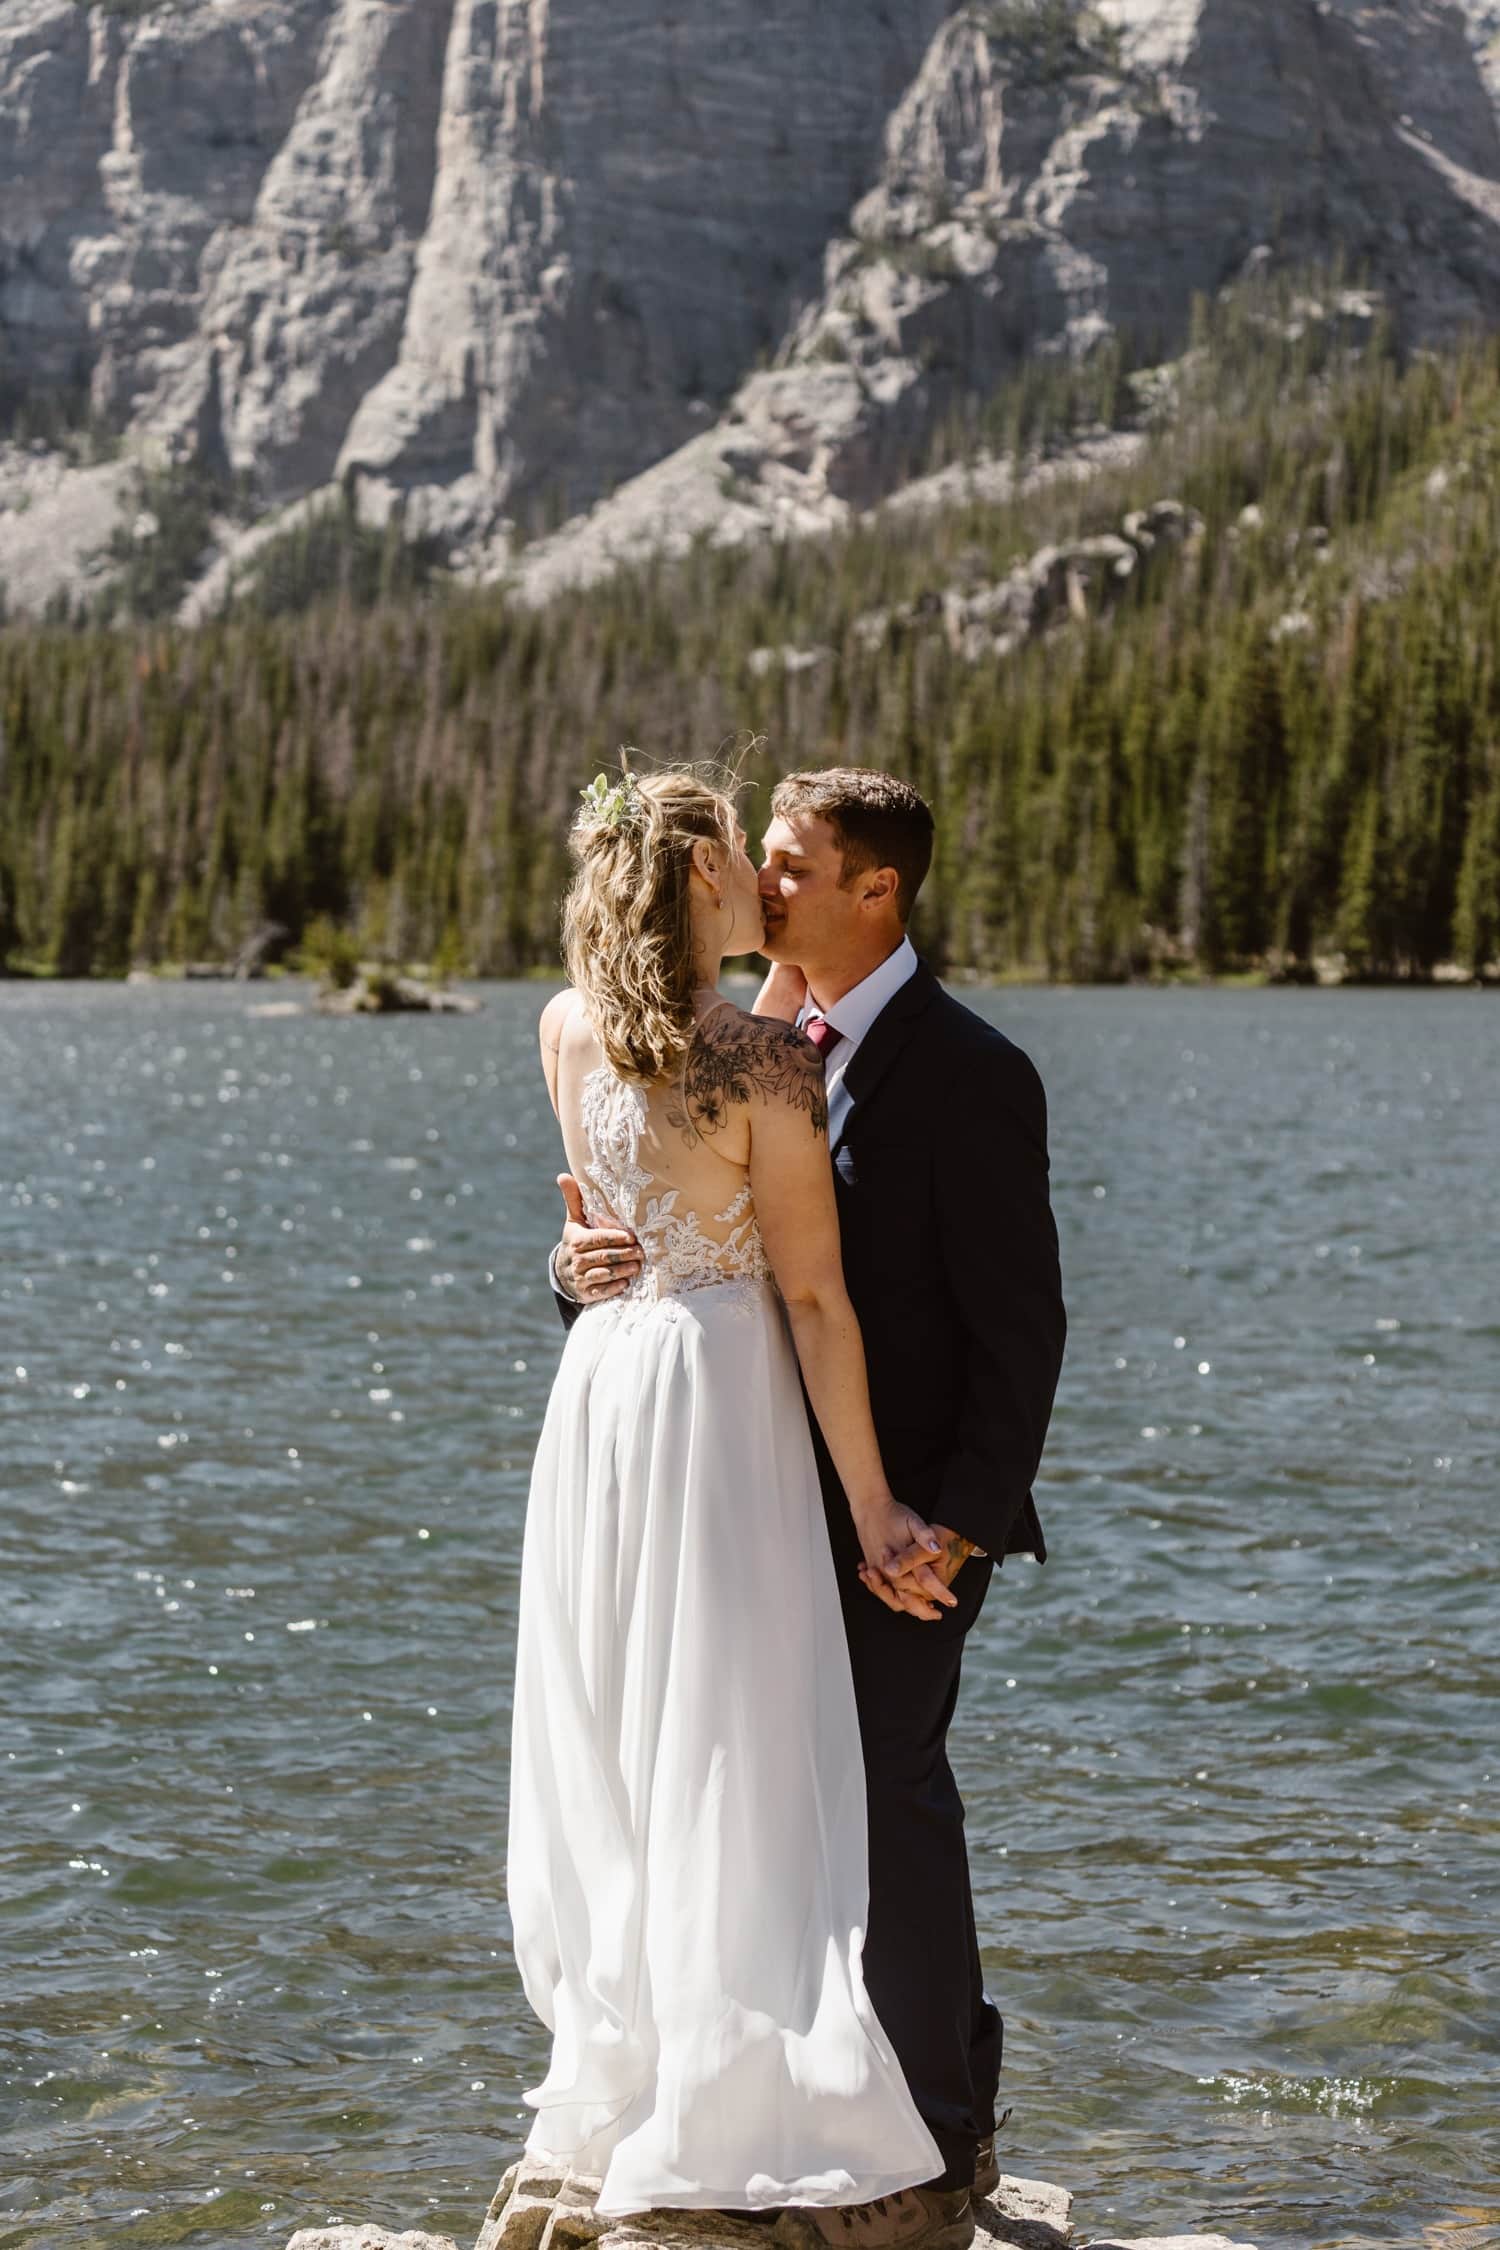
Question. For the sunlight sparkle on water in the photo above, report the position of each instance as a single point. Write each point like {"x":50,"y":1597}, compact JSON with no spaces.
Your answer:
{"x":1335,"y":1509}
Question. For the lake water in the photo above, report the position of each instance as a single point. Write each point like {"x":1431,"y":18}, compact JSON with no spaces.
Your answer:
{"x":275,"y":1339}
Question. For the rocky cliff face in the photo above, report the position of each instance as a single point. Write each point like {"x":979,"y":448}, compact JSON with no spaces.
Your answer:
{"x":514,"y":241}
{"x":500,"y":256}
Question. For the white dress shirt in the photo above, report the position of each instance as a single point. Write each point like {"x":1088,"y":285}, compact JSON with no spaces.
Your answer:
{"x":853,"y":1016}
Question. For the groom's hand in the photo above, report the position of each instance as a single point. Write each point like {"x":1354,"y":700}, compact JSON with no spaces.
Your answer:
{"x":932,"y":1569}
{"x":592,"y":1263}
{"x":956,"y":1552}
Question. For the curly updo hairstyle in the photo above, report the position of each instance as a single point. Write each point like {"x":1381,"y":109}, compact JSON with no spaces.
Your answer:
{"x":627,"y":921}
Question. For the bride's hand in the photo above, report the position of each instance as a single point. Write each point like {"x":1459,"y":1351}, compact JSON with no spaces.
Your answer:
{"x":894,"y":1541}
{"x":783,"y":994}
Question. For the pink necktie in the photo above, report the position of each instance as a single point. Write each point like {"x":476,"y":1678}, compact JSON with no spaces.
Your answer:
{"x":824,"y":1035}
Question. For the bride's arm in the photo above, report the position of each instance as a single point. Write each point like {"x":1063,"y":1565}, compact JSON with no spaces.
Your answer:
{"x":549,"y":1032}
{"x":783,"y":995}
{"x":590,"y":1263}
{"x":791,"y":1180}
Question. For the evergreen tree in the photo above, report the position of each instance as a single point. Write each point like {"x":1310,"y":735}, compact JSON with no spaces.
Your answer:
{"x":1275,"y":741}
{"x":1477,"y":918}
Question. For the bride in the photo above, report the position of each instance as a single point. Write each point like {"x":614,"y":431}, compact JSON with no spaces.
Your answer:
{"x":687,"y":1860}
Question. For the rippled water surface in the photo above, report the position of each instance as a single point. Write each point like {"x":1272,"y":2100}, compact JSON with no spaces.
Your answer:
{"x":275,"y":1338}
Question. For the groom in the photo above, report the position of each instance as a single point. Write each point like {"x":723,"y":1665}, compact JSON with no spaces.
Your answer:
{"x":937,"y":1128}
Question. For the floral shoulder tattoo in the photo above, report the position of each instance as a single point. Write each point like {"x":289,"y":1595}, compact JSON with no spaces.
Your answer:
{"x":740,"y":1056}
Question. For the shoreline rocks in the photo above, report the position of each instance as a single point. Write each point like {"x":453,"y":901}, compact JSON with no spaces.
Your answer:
{"x":537,"y":2207}
{"x":383,"y":993}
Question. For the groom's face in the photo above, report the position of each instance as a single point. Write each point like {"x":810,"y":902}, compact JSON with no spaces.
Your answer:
{"x":810,"y":917}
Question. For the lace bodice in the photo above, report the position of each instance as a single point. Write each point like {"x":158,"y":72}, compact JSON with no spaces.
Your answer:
{"x":680,"y":1254}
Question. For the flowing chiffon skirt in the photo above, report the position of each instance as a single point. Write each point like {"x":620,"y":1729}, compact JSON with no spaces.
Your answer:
{"x":688,"y":1874}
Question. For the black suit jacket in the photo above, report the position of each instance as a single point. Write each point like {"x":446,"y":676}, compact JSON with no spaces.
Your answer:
{"x":951,"y":1261}
{"x":950,"y":1256}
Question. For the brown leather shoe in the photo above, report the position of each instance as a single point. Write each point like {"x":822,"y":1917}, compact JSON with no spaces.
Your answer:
{"x":986,"y":2163}
{"x":917,"y":2218}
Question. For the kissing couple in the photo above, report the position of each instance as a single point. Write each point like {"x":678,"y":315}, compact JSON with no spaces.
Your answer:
{"x":815,"y":1327}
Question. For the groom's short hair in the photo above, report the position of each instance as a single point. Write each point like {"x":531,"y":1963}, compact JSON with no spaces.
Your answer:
{"x":877,"y":821}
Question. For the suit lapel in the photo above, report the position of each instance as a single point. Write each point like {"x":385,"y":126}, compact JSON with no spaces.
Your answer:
{"x":883,"y":1042}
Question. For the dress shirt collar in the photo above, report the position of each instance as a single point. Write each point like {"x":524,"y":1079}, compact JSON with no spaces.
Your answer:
{"x":854,"y":1014}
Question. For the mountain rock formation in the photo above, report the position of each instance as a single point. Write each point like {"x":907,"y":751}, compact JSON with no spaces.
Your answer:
{"x":490,"y":260}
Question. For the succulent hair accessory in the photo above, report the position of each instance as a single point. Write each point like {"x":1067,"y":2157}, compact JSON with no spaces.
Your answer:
{"x":610,"y":805}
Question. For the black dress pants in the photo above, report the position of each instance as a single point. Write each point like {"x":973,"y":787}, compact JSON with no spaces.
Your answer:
{"x":921,"y":1949}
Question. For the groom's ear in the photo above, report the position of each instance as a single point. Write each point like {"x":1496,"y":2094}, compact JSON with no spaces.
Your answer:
{"x":880,"y":887}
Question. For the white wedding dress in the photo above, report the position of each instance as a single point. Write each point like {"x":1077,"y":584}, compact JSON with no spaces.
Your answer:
{"x":687,"y":1865}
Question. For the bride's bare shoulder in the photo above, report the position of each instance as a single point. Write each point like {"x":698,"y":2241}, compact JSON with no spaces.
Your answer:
{"x":555,"y":1017}
{"x":738,"y":1058}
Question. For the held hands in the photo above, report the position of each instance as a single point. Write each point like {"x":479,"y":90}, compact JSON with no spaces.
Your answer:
{"x":593,"y":1263}
{"x":903,"y":1558}
{"x":902,"y":1583}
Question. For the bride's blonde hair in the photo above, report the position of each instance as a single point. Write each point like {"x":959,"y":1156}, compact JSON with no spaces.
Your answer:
{"x":627,"y":919}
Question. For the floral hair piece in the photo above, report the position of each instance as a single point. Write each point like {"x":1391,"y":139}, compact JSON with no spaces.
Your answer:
{"x":610,"y":805}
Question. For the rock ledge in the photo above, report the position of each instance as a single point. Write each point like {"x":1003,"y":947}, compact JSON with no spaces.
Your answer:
{"x":539,"y":2208}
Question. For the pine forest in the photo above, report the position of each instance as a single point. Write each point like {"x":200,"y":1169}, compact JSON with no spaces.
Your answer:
{"x":1225,"y":705}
